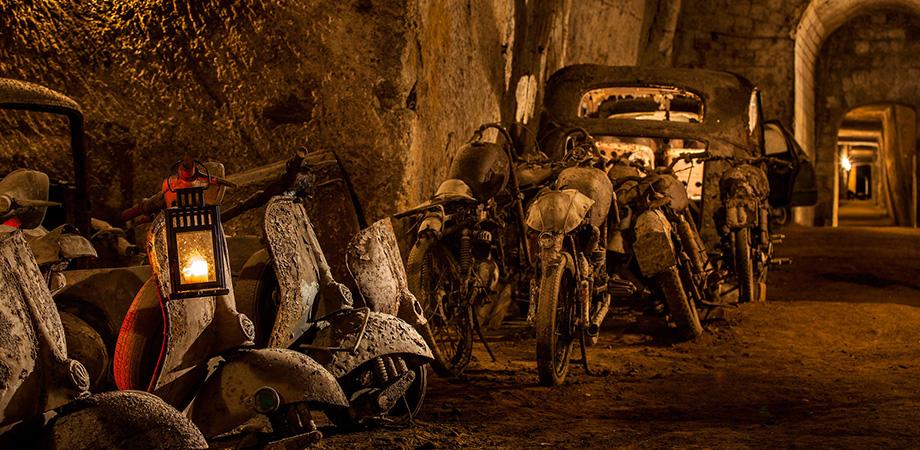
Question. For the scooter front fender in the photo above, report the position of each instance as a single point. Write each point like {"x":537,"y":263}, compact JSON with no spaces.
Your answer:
{"x":228,"y":397}
{"x":654,"y":248}
{"x":122,"y":420}
{"x":383,"y":335}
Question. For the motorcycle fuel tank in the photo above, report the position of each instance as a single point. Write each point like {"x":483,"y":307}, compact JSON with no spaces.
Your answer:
{"x":483,"y":166}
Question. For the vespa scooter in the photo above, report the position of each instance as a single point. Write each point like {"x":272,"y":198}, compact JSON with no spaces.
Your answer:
{"x":373,"y":351}
{"x":185,"y":315}
{"x":44,"y":398}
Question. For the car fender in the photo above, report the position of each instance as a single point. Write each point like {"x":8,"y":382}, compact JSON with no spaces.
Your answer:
{"x":383,"y":335}
{"x":122,"y":420}
{"x":653,"y":247}
{"x":227,"y":399}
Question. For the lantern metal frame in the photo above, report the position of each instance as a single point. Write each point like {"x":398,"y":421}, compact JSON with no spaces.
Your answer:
{"x":192,"y":214}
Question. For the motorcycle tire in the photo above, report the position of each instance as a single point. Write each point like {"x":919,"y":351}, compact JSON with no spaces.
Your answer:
{"x":450,"y":338}
{"x":555,"y":321}
{"x":681,"y":309}
{"x":744,"y":267}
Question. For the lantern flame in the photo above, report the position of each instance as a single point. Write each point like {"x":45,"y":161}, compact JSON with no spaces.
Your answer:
{"x":196,"y":270}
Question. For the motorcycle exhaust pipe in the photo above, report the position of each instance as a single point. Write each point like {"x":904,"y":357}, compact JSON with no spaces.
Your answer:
{"x":594,"y":326}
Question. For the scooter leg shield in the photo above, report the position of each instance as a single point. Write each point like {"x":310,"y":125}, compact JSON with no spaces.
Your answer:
{"x":122,"y":420}
{"x":653,"y":248}
{"x":228,"y":397}
{"x":384,"y":335}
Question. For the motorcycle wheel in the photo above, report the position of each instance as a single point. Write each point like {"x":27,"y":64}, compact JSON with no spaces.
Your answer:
{"x":367,"y":376}
{"x":744,"y":268}
{"x":682,"y":311}
{"x":555,"y":322}
{"x":434,"y":277}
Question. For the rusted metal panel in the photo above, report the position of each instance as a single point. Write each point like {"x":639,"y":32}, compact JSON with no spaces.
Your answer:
{"x":376,"y":264}
{"x":15,"y":93}
{"x":594,"y":184}
{"x":227,"y":399}
{"x":383,"y":334}
{"x":115,"y":420}
{"x":653,"y":247}
{"x":726,"y":96}
{"x":297,"y":266}
{"x":34,"y":368}
{"x":558,"y":211}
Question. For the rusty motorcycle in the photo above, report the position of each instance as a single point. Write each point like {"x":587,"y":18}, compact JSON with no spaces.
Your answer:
{"x":468,"y":247}
{"x":570,"y":295}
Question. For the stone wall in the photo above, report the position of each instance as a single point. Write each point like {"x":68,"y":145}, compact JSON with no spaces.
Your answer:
{"x":394,"y":86}
{"x":869,"y":60}
{"x":753,"y":38}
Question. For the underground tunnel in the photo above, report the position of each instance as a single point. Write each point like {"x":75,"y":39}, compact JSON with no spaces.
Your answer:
{"x":459,"y":224}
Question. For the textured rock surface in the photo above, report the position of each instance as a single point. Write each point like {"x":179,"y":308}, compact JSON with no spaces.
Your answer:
{"x":392,"y":85}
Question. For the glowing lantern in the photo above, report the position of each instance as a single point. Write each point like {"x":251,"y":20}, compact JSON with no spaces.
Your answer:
{"x":194,"y":246}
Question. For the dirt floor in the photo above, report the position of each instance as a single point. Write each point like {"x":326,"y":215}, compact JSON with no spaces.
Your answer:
{"x":833,"y":360}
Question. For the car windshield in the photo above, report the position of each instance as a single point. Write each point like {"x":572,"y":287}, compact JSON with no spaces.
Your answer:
{"x":660,"y":103}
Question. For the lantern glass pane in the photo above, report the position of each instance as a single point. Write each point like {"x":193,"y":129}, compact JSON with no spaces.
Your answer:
{"x":195,"y":250}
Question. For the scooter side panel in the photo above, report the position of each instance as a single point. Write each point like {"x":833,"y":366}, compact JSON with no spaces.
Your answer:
{"x":374,"y":259}
{"x":384,"y":335}
{"x":35,"y":373}
{"x":298,"y":268}
{"x":227,"y":398}
{"x":123,"y":419}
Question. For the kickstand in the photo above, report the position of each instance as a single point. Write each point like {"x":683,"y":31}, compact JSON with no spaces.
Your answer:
{"x":409,"y":411}
{"x":584,"y":354}
{"x":481,"y":336}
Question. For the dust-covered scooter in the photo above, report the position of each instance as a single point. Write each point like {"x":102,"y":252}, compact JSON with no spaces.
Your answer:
{"x":184,"y":340}
{"x":288,"y":288}
{"x":44,"y":398}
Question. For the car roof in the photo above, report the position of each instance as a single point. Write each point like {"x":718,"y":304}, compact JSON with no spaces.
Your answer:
{"x":726,"y":97}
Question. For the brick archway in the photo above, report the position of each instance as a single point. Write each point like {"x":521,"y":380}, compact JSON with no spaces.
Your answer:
{"x":819,"y":20}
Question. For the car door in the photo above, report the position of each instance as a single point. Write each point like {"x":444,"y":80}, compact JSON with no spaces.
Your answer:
{"x":793,"y":184}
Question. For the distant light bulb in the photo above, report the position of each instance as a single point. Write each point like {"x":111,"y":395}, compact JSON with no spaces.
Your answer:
{"x":845,"y":163}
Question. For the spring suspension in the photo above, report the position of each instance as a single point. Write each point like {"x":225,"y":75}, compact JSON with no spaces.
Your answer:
{"x":381,"y":370}
{"x":466,"y":253}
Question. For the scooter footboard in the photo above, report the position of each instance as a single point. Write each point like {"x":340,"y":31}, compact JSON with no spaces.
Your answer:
{"x":122,"y":419}
{"x":228,"y":397}
{"x":654,"y":248}
{"x":383,"y":334}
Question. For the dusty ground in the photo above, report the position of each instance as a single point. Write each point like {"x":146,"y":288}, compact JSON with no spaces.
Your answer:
{"x":831,"y":361}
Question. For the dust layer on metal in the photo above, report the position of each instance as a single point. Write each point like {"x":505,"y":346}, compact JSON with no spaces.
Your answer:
{"x":558,"y":211}
{"x":123,"y":419}
{"x":384,"y":335}
{"x":34,"y":368}
{"x":376,"y":264}
{"x":297,"y":268}
{"x":594,"y":184}
{"x":654,"y":248}
{"x":227,"y":399}
{"x":333,"y":206}
{"x":727,"y":98}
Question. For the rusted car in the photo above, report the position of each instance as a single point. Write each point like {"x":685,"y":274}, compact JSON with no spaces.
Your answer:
{"x":656,"y":115}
